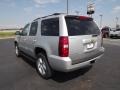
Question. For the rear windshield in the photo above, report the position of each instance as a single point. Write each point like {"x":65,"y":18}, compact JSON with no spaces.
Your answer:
{"x":76,"y":26}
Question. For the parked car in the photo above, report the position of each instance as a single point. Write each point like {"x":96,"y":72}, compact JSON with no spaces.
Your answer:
{"x":60,"y":42}
{"x":115,"y":33}
{"x":105,"y":32}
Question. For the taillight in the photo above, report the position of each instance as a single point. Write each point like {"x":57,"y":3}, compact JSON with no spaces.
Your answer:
{"x":63,"y":46}
{"x":85,"y":18}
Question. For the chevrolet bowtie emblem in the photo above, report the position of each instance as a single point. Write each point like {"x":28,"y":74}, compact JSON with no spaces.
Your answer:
{"x":93,"y":41}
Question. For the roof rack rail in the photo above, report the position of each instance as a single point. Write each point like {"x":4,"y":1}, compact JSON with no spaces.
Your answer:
{"x":48,"y":16}
{"x":36,"y":19}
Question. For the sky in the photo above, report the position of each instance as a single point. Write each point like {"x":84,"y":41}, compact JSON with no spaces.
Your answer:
{"x":17,"y":13}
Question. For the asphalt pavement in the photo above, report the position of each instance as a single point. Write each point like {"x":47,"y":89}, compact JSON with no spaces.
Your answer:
{"x":20,"y":73}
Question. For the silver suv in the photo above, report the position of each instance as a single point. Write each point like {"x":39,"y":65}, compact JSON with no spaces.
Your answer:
{"x":60,"y":42}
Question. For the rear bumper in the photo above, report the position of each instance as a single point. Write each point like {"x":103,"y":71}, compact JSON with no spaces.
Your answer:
{"x":64,"y":64}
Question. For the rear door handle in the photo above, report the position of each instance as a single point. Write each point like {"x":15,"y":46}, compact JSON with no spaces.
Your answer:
{"x":34,"y":40}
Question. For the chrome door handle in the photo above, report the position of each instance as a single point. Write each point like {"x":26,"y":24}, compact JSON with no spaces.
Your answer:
{"x":34,"y":40}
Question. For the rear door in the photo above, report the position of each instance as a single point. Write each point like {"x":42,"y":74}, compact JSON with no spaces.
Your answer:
{"x":50,"y":35}
{"x":84,"y":39}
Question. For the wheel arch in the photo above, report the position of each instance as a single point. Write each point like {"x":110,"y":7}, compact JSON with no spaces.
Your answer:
{"x":38,"y":50}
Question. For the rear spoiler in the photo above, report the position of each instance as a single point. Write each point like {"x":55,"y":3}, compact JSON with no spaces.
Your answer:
{"x":83,"y":18}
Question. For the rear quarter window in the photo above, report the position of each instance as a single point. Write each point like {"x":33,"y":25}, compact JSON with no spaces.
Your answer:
{"x":50,"y":27}
{"x":76,"y":26}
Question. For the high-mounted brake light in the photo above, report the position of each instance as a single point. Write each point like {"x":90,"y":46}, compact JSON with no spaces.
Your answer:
{"x":85,"y":18}
{"x":63,"y":46}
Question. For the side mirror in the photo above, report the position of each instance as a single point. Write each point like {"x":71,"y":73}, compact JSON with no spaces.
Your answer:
{"x":17,"y":33}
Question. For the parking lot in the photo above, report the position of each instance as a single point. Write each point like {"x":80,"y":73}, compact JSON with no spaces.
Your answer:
{"x":20,"y":74}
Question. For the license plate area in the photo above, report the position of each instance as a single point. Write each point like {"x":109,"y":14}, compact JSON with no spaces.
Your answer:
{"x":89,"y":46}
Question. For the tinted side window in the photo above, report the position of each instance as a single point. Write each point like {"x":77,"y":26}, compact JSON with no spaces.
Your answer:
{"x":33,"y":29}
{"x":50,"y":27}
{"x":25,"y":30}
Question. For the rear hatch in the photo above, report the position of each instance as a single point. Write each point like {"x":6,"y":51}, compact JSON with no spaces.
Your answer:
{"x":84,"y":38}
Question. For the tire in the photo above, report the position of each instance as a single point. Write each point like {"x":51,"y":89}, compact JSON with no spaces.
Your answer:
{"x":17,"y":51}
{"x":111,"y":36}
{"x":43,"y":67}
